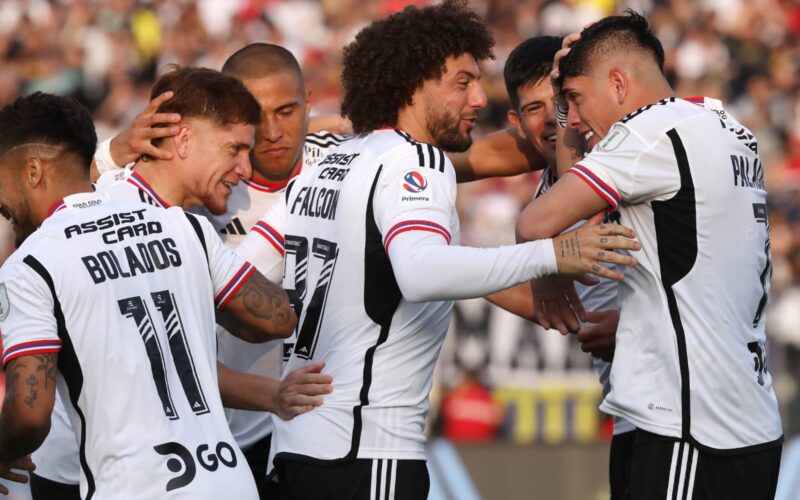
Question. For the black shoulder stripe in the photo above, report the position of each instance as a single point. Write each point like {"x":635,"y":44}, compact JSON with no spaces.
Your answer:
{"x":198,"y":230}
{"x":441,"y":160}
{"x":70,"y":368}
{"x":323,"y":144}
{"x":434,"y":159}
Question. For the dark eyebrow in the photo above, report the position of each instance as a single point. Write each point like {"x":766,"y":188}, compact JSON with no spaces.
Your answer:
{"x":468,"y":74}
{"x":237,"y":145}
{"x":292,"y":104}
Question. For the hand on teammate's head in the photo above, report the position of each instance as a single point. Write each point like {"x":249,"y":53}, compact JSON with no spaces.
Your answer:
{"x":137,"y":140}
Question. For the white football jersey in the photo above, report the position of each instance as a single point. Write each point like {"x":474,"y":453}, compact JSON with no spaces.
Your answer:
{"x":690,"y":359}
{"x":249,"y":201}
{"x":125,"y":294}
{"x":600,"y":297}
{"x":57,"y":458}
{"x":335,"y":225}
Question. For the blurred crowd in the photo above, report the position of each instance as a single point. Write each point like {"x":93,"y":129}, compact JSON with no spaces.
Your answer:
{"x":107,"y":53}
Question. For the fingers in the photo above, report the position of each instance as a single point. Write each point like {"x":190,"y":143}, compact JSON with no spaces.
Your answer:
{"x":615,"y":258}
{"x":613,"y":230}
{"x":158,"y":101}
{"x":607,"y":273}
{"x":15,"y":476}
{"x":569,"y":40}
{"x":24,"y":463}
{"x":3,"y":489}
{"x":596,"y":219}
{"x":312,"y":368}
{"x":577,"y":305}
{"x":600,"y":316}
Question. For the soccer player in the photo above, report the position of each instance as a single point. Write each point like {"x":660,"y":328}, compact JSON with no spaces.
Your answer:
{"x":372,"y":264}
{"x":689,"y":367}
{"x":112,"y":303}
{"x":209,"y":156}
{"x":527,"y":79}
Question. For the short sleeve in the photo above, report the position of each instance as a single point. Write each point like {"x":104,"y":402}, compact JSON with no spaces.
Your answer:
{"x":264,"y":244}
{"x":414,"y":197}
{"x":625,"y":168}
{"x":228,"y":270}
{"x":27,"y":318}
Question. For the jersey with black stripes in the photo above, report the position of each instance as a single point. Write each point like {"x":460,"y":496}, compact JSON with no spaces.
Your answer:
{"x":249,"y":200}
{"x":371,"y":272}
{"x":600,"y":297}
{"x":57,"y":458}
{"x":125,"y":294}
{"x":690,"y":357}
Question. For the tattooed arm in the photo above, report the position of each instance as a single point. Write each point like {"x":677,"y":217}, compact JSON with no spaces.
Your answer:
{"x":25,"y":418}
{"x":260,"y":311}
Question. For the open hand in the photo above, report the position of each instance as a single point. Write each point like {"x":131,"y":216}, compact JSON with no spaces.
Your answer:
{"x":301,"y":391}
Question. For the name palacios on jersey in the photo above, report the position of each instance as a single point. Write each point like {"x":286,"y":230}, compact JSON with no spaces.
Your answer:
{"x":132,"y":260}
{"x":321,"y":202}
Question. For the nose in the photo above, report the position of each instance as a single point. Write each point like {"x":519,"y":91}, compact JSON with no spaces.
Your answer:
{"x":573,"y":118}
{"x":478,"y":98}
{"x":243,"y":168}
{"x":271,"y":128}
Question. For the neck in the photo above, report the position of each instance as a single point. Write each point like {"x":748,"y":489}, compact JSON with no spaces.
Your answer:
{"x":165,"y":181}
{"x":62,"y":189}
{"x":648,"y":93}
{"x":411,"y":120}
{"x":272,"y":177}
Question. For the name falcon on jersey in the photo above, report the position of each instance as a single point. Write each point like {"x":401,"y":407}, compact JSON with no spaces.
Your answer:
{"x":322,"y":202}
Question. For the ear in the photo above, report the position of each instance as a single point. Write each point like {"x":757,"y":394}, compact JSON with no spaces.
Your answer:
{"x":33,"y":172}
{"x":514,"y":118}
{"x":618,"y":79}
{"x":183,"y":140}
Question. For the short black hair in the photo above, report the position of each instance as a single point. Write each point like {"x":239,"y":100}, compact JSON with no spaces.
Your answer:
{"x":391,"y":58}
{"x":529,"y":63}
{"x":258,"y":60}
{"x":208,"y":94}
{"x":606,"y":36}
{"x":49,"y":119}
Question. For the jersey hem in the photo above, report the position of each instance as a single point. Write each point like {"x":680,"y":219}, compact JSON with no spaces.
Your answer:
{"x":669,"y":432}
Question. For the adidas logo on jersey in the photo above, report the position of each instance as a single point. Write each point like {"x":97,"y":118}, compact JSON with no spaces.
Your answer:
{"x":234,"y":227}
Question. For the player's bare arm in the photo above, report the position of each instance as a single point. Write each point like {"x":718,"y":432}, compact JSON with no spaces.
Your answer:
{"x":336,"y":124}
{"x":516,"y":300}
{"x":25,"y":418}
{"x":260,"y":311}
{"x":499,"y":154}
{"x":299,"y":392}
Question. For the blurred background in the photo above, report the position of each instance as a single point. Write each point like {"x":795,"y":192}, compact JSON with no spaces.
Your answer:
{"x":519,"y":403}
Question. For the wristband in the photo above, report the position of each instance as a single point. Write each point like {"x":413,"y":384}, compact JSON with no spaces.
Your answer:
{"x":103,"y":159}
{"x":561,"y":113}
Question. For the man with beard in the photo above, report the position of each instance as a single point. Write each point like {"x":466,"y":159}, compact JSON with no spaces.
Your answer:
{"x":689,"y":367}
{"x":109,"y":294}
{"x":366,"y":235}
{"x":208,"y":157}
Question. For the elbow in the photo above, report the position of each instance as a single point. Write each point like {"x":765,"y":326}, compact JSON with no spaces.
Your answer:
{"x":286,"y":323}
{"x":413,"y":291}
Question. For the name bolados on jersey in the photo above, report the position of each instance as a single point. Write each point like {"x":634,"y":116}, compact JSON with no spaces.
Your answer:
{"x":125,"y":293}
{"x":690,"y":357}
{"x":334,"y":226}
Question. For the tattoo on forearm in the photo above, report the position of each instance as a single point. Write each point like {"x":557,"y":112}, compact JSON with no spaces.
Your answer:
{"x":31,"y":382}
{"x":264,"y":299}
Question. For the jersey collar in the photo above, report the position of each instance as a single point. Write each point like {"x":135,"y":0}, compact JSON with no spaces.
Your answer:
{"x":57,"y":206}
{"x":273,"y":187}
{"x":138,"y":181}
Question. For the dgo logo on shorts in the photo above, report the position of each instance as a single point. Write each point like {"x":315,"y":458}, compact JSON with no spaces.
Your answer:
{"x":414,"y":182}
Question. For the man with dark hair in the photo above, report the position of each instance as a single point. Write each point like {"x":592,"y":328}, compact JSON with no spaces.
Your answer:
{"x":527,"y":78}
{"x":689,"y":367}
{"x":208,"y":157}
{"x":366,"y":235}
{"x":108,"y":294}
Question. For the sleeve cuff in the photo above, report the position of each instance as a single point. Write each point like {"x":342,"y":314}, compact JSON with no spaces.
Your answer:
{"x":604,"y":190}
{"x":233,"y":286}
{"x":415,"y":225}
{"x":31,"y":348}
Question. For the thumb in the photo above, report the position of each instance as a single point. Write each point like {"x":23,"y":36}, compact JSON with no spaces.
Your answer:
{"x":596,"y":219}
{"x":313,"y":368}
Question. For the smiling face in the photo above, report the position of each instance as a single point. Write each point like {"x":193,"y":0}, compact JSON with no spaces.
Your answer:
{"x":14,"y":204}
{"x":536,"y":117}
{"x":219,"y":159}
{"x":592,"y":105}
{"x":451,"y":104}
{"x":280,"y":139}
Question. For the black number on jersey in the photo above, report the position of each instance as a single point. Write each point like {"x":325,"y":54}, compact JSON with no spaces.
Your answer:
{"x":327,"y":251}
{"x":760,"y":214}
{"x":759,"y":361}
{"x":136,"y":308}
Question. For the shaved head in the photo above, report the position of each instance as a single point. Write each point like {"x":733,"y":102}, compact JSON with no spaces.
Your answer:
{"x":258,"y":60}
{"x":625,"y":40}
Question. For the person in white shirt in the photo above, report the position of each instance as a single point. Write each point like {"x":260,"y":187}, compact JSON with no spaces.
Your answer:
{"x":112,"y":304}
{"x":369,"y":241}
{"x":690,"y":368}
